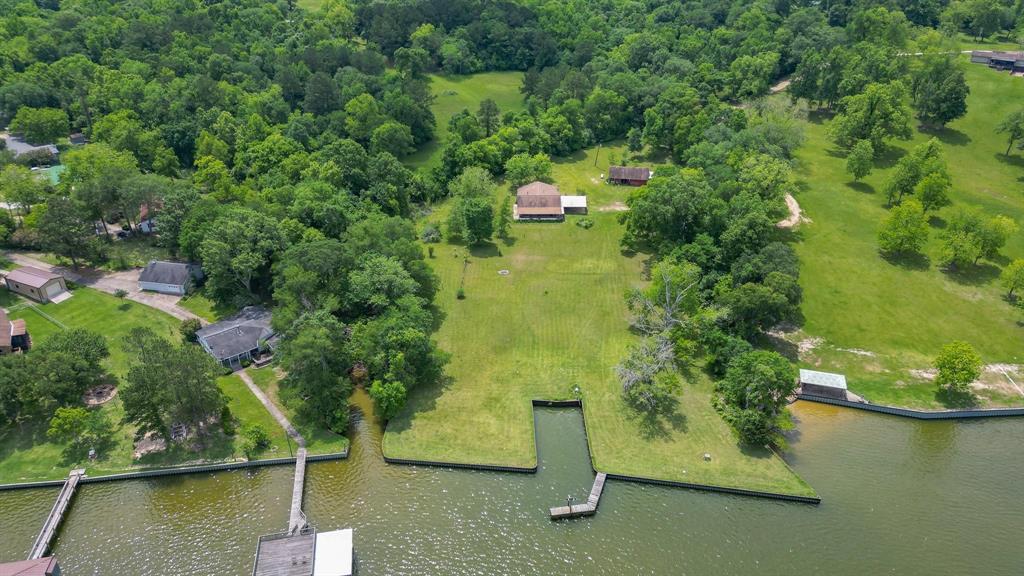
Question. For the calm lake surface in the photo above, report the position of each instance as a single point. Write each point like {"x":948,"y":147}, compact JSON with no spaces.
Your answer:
{"x":899,"y":497}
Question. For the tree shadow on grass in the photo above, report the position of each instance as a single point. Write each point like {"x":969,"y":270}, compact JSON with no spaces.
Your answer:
{"x":820,"y":115}
{"x":862,"y":187}
{"x":975,"y":275}
{"x":889,"y":156}
{"x":484,"y":250}
{"x":509,"y":241}
{"x":1012,"y":160}
{"x":661,"y":424}
{"x":422,"y":399}
{"x":956,"y":399}
{"x":937,"y":222}
{"x":907,"y":260}
{"x":947,"y":135}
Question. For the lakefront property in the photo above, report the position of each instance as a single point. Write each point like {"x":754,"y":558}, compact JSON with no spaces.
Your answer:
{"x":517,"y":287}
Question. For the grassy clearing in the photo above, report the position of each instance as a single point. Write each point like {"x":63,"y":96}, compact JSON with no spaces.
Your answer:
{"x":207,"y":309}
{"x":319,"y":440}
{"x":452,"y":94}
{"x":134,"y":252}
{"x":880,"y":320}
{"x":558,"y":321}
{"x":25,"y":452}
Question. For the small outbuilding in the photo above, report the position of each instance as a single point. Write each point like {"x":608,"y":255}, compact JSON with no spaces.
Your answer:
{"x":244,"y":336}
{"x":168,"y":277}
{"x":538,"y":201}
{"x":999,"y":60}
{"x":825,"y":384}
{"x":40,"y":285}
{"x":13,"y":335}
{"x":574,"y":204}
{"x":629,"y":175}
{"x":333,"y":553}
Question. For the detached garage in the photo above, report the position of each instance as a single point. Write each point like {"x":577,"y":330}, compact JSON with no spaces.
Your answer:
{"x":40,"y":285}
{"x":167,"y":277}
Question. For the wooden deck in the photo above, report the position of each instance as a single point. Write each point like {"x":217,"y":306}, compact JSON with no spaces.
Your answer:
{"x":285,"y":554}
{"x":52,"y":523}
{"x":587,"y":509}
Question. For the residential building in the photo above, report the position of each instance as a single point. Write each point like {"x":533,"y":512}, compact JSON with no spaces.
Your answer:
{"x":244,"y":336}
{"x":168,"y":277}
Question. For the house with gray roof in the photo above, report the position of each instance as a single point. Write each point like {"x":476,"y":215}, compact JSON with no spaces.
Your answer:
{"x":244,"y":336}
{"x":168,"y":277}
{"x":44,"y":153}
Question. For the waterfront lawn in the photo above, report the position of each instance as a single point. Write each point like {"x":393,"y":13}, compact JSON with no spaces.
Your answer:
{"x":319,"y":440}
{"x":877,"y":320}
{"x":25,"y":452}
{"x":558,"y":321}
{"x":452,"y":94}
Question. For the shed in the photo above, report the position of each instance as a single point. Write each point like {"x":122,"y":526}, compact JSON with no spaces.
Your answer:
{"x":999,"y":60}
{"x":822,"y":384}
{"x":630,"y":175}
{"x":47,"y":566}
{"x":538,"y":201}
{"x":40,"y":285}
{"x":333,"y":553}
{"x":13,"y":335}
{"x":574,"y":204}
{"x":244,"y":336}
{"x":167,"y":277}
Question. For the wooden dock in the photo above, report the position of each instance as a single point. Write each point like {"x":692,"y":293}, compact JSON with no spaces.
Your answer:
{"x":52,"y":523}
{"x":297,"y":520}
{"x":587,"y":509}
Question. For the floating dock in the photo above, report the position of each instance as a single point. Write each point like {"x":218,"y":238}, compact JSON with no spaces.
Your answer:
{"x":42,"y":543}
{"x":586,"y":509}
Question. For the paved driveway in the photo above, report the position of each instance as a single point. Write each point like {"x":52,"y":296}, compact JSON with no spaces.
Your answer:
{"x":110,"y":282}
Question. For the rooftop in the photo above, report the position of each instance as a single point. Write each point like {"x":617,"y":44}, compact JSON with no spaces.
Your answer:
{"x":19,"y":146}
{"x":574,"y":201}
{"x":828,"y":379}
{"x":40,"y":567}
{"x":159,"y":272}
{"x":333,"y":553}
{"x":31,"y":276}
{"x":237,"y":334}
{"x":537,"y":188}
{"x":629,"y":172}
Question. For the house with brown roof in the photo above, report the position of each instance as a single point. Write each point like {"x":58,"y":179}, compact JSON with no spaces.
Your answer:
{"x":40,"y":567}
{"x":40,"y":285}
{"x":13,"y":335}
{"x":629,"y":175}
{"x":538,"y":201}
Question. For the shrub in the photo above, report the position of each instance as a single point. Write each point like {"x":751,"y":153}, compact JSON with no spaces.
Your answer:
{"x":227,"y":421}
{"x":188,"y":329}
{"x":255,"y":439}
{"x":585,"y":223}
{"x":431,"y":234}
{"x":460,"y":294}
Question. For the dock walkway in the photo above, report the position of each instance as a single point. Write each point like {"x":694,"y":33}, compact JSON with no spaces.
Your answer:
{"x":588,"y":509}
{"x":52,"y":523}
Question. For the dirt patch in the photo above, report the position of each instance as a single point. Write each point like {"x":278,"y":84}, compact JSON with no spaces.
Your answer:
{"x":807,"y":345}
{"x":858,"y":352}
{"x":927,"y":374}
{"x":795,"y":214}
{"x":1002,"y":378}
{"x":149,"y":444}
{"x":614,"y":207}
{"x":98,"y":395}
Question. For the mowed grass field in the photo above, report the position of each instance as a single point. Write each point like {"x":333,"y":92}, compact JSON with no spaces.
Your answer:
{"x":318,"y":439}
{"x":557,"y":322}
{"x":452,"y":94}
{"x":25,"y":452}
{"x":880,"y":322}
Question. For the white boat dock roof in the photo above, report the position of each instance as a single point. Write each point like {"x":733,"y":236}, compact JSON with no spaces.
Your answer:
{"x":828,"y":379}
{"x":333,"y":553}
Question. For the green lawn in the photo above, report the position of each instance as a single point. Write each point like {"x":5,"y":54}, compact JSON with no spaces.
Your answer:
{"x":319,"y":440}
{"x":557,"y":321}
{"x":880,"y":320}
{"x":207,"y":309}
{"x":25,"y":452}
{"x":133,"y":252}
{"x":452,"y":94}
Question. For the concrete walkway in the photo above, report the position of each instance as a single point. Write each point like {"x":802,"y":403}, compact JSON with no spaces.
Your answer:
{"x":111,"y":282}
{"x":296,"y":518}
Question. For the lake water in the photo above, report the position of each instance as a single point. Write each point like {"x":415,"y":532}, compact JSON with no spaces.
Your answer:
{"x":898,"y":497}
